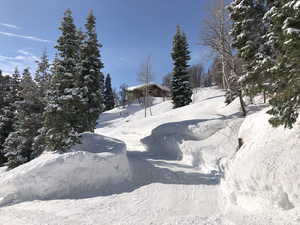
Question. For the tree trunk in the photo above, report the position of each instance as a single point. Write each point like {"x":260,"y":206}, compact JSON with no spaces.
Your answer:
{"x":242,"y":103}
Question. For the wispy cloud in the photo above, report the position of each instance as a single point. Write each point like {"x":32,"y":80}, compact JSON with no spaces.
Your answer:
{"x":33,"y":38}
{"x":22,"y":60}
{"x":9,"y":25}
{"x":26,"y":55}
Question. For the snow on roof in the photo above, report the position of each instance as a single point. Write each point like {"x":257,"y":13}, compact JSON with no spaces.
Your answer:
{"x":150,"y":84}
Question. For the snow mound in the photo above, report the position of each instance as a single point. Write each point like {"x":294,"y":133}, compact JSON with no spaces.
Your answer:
{"x":264,"y":174}
{"x":168,"y":140}
{"x":95,"y":166}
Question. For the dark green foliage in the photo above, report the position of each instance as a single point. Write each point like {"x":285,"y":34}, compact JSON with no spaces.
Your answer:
{"x":18,"y":145}
{"x":267,"y":34}
{"x":181,"y":89}
{"x":108,"y":94}
{"x":43,"y":75}
{"x":285,"y":23}
{"x":65,"y":102}
{"x":75,"y":97}
{"x":9,"y":88}
{"x":92,"y":79}
{"x":249,"y":38}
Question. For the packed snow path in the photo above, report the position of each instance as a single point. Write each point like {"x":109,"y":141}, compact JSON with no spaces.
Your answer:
{"x":161,"y":192}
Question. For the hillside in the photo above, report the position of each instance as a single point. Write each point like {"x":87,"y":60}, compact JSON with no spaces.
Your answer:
{"x":185,"y":169}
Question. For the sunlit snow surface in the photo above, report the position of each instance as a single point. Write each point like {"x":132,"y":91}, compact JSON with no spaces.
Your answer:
{"x":178,"y":159}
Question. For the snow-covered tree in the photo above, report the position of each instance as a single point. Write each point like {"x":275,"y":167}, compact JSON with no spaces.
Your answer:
{"x":284,"y":36}
{"x":18,"y":145}
{"x":92,"y":79}
{"x":266,"y":34}
{"x":65,"y":101}
{"x":109,"y":100}
{"x":181,"y":89}
{"x":9,"y":88}
{"x":248,"y":33}
{"x":43,"y":75}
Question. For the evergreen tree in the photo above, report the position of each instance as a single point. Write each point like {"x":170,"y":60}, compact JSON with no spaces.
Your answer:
{"x":43,"y":80}
{"x":284,"y":35}
{"x":108,"y":94}
{"x":42,"y":75}
{"x":64,"y":111}
{"x":92,"y":79}
{"x":267,"y":33}
{"x":18,"y":145}
{"x":9,"y":87}
{"x":181,"y":89}
{"x":249,"y":38}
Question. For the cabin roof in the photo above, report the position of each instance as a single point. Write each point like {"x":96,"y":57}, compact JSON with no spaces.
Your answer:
{"x":151,"y":85}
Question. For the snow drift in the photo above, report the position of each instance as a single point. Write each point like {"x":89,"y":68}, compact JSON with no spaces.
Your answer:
{"x":167,"y":139}
{"x":97,"y":165}
{"x":264,"y":174}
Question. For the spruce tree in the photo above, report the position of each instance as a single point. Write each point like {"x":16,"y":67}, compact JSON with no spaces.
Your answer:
{"x":42,"y":75}
{"x":181,"y":89}
{"x":267,"y":33}
{"x":18,"y":145}
{"x":64,"y":110}
{"x":43,"y":79}
{"x":248,"y":33}
{"x":9,"y":88}
{"x":92,"y":79}
{"x":284,"y":35}
{"x":108,"y":94}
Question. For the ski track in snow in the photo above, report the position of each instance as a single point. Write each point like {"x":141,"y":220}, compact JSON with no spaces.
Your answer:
{"x":162,"y":192}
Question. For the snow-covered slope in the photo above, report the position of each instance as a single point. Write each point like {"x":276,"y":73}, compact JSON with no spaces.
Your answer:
{"x":98,"y":165}
{"x":192,"y":133}
{"x":161,"y":191}
{"x":263,"y":177}
{"x":257,"y":189}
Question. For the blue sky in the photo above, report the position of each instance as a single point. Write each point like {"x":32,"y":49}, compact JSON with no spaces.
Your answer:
{"x":129,"y":30}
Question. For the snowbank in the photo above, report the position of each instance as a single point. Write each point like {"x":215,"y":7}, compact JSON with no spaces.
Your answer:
{"x":167,"y":139}
{"x":201,"y":143}
{"x":264,"y":174}
{"x":97,"y":165}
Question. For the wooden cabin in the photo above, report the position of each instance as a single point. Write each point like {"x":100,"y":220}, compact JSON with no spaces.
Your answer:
{"x":155,"y":90}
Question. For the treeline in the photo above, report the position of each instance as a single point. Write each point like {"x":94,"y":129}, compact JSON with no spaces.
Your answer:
{"x":49,"y":112}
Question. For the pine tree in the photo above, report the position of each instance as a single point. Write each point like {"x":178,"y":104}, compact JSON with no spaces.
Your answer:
{"x":9,"y":87}
{"x":284,"y":35}
{"x":181,"y":90}
{"x":42,"y":75}
{"x":108,"y":94}
{"x":18,"y":145}
{"x":267,"y":33}
{"x":64,"y":111}
{"x":92,"y":79}
{"x":43,"y":80}
{"x":248,"y":34}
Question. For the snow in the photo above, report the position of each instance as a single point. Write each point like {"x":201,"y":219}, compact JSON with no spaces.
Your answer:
{"x":96,"y":165}
{"x":151,"y":83}
{"x":182,"y":167}
{"x":263,"y":175}
{"x":292,"y":31}
{"x":297,"y":5}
